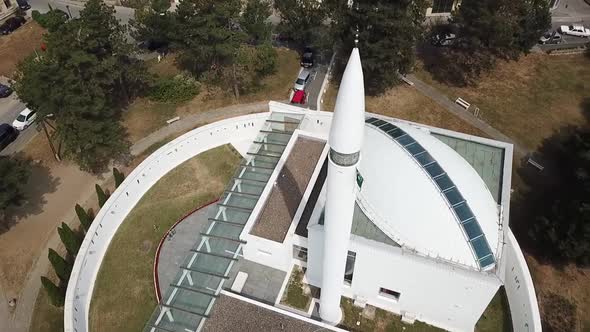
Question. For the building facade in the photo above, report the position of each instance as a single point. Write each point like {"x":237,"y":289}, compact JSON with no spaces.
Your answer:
{"x":7,"y":8}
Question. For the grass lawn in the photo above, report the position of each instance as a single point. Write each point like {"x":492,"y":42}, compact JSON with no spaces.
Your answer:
{"x":496,"y":317}
{"x":124,"y":296}
{"x":144,"y":116}
{"x":406,"y":103}
{"x":531,"y":98}
{"x":294,"y":295}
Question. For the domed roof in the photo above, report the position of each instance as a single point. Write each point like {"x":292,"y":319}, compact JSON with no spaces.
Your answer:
{"x":426,"y":197}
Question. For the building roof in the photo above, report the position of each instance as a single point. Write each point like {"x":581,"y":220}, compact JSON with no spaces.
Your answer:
{"x":277,"y":214}
{"x":410,"y":205}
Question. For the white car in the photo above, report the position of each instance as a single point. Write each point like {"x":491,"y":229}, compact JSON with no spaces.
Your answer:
{"x":24,"y":119}
{"x":575,"y":30}
{"x":302,"y":80}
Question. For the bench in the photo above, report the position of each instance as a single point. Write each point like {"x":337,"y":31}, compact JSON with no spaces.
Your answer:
{"x":173,"y":120}
{"x":535,"y":164}
{"x":239,"y":282}
{"x":408,"y":82}
{"x":462,"y":103}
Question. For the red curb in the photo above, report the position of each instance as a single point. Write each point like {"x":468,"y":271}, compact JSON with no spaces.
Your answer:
{"x":156,"y":279}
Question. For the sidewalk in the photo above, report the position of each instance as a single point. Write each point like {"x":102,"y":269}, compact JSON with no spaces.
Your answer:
{"x":463,"y":114}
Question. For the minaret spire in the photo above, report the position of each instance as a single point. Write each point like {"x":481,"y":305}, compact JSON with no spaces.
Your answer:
{"x":346,"y":138}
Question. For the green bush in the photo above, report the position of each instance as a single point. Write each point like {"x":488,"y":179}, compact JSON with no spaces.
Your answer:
{"x":62,"y":268}
{"x":70,"y":240}
{"x":101,"y":195}
{"x":85,"y":219}
{"x":174,"y":90}
{"x":119,"y":177}
{"x":56,"y":295}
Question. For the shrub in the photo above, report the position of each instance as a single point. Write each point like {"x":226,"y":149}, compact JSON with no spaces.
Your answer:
{"x":100,"y":194}
{"x":174,"y":90}
{"x":69,"y":239}
{"x":61,"y":266}
{"x":57,"y":295}
{"x":119,"y":177}
{"x":83,"y":216}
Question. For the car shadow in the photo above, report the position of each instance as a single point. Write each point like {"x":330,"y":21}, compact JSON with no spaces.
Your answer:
{"x":40,"y":183}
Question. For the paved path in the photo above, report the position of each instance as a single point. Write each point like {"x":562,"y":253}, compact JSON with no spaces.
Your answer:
{"x":20,"y":319}
{"x":463,"y":114}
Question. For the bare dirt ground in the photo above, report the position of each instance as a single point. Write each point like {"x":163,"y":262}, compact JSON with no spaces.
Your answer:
{"x":19,"y":45}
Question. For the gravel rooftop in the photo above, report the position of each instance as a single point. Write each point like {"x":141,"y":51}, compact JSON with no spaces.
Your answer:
{"x":231,"y":314}
{"x":275,"y":218}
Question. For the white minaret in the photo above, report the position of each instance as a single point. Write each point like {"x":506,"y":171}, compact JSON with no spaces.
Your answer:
{"x":346,"y":138}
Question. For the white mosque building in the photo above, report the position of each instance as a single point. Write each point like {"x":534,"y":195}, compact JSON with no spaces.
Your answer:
{"x":392,"y":214}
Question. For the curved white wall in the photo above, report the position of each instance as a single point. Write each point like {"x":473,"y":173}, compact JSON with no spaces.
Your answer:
{"x":122,"y":201}
{"x":520,"y":290}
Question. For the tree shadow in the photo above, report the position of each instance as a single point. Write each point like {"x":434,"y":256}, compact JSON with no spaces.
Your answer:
{"x":40,"y":183}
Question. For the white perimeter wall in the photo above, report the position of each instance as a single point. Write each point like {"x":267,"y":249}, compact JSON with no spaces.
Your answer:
{"x":436,"y":293}
{"x":520,"y":289}
{"x":122,"y":201}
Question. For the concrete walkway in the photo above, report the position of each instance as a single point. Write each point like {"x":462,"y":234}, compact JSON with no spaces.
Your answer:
{"x":20,"y":319}
{"x":464,"y":115}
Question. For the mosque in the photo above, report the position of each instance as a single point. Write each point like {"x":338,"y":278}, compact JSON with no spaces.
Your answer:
{"x":387,"y":213}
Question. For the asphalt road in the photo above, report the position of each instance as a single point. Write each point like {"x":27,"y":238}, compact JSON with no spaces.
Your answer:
{"x":9,"y":109}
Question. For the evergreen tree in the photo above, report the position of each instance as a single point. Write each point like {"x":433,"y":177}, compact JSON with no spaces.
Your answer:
{"x":208,"y":34}
{"x":83,"y":217}
{"x":387,"y":35}
{"x":153,"y":24}
{"x":14,"y":174}
{"x":301,"y":20}
{"x":119,"y":177}
{"x":56,"y":295}
{"x":69,"y":239}
{"x":84,"y":79}
{"x":101,"y":195}
{"x":61,"y":266}
{"x":254,"y":21}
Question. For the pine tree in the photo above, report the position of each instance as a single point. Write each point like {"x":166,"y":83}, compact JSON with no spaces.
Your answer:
{"x":83,"y":217}
{"x":56,"y":295}
{"x":119,"y":177}
{"x":254,"y":21}
{"x":100,"y":194}
{"x":301,"y":19}
{"x":387,"y":34}
{"x":69,"y":239}
{"x":85,"y":78}
{"x":61,"y":266}
{"x":153,"y":24}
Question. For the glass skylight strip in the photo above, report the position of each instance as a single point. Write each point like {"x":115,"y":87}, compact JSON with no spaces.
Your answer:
{"x":474,"y":234}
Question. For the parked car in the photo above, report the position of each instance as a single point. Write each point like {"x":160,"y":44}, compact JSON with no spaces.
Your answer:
{"x":7,"y":135}
{"x":307,"y":58}
{"x":575,"y":30}
{"x":299,"y":97}
{"x":12,"y":24}
{"x":5,"y":91}
{"x":550,"y":37}
{"x":302,"y":80}
{"x":443,"y":39}
{"x":24,"y":119}
{"x":23,"y":4}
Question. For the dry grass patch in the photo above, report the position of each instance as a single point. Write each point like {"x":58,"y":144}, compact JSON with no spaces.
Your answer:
{"x":570,"y":281}
{"x":528,"y":99}
{"x":123,"y":296}
{"x":145,"y":116}
{"x":18,"y":45}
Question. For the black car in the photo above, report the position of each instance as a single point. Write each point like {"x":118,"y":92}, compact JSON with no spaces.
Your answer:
{"x":12,"y":24}
{"x":5,"y":91}
{"x":307,"y":58}
{"x":23,"y":4}
{"x":7,"y":135}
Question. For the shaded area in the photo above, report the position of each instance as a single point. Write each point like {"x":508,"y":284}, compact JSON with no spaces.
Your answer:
{"x":275,"y":218}
{"x":40,"y":183}
{"x":263,"y":283}
{"x":496,"y":317}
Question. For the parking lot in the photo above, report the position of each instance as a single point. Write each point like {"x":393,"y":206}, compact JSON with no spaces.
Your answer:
{"x":313,"y":88}
{"x":10,"y":107}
